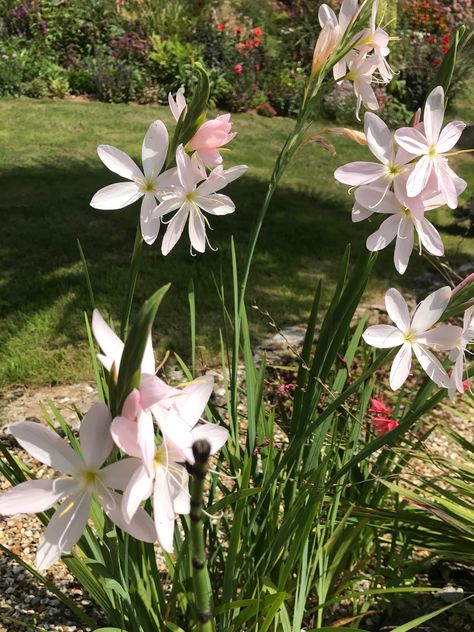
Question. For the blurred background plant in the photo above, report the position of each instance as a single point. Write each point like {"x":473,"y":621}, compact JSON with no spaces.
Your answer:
{"x":257,"y":54}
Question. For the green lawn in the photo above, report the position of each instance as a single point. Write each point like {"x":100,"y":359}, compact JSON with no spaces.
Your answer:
{"x":50,"y":170}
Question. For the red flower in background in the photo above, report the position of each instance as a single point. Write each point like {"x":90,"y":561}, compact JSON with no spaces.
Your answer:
{"x":381,"y":417}
{"x":436,"y":62}
{"x":238,"y":31}
{"x":238,"y":68}
{"x":220,"y":27}
{"x":257,"y":32}
{"x":256,"y":42}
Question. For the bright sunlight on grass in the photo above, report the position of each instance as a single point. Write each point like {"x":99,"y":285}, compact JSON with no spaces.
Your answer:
{"x":50,"y":171}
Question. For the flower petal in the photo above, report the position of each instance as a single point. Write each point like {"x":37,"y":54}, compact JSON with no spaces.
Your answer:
{"x":430,"y":310}
{"x":384,"y":235}
{"x":431,"y":366}
{"x":46,"y":446}
{"x":149,"y":222}
{"x":124,"y":433}
{"x":154,"y":149}
{"x":359,"y":173}
{"x":383,"y":336}
{"x":419,"y":177}
{"x":197,"y":232}
{"x":216,"y":204}
{"x":429,"y":237}
{"x":400,"y":367}
{"x":35,"y":496}
{"x":163,"y":510}
{"x":379,"y":137}
{"x":412,"y":140}
{"x":64,"y":529}
{"x":174,"y":230}
{"x":107,"y":340}
{"x":118,"y":162}
{"x":116,"y":196}
{"x":139,"y":488}
{"x":443,"y":337}
{"x":397,"y":309}
{"x":117,"y":475}
{"x":433,"y":114}
{"x":403,"y":245}
{"x":94,"y":434}
{"x":450,"y":136}
{"x":141,"y":526}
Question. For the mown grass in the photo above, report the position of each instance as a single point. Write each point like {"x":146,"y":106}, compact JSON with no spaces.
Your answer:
{"x":50,"y":170}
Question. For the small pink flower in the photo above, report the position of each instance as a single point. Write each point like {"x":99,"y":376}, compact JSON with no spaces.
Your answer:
{"x":238,"y":68}
{"x":210,"y":137}
{"x":383,"y":425}
{"x":377,"y":407}
{"x":220,"y":27}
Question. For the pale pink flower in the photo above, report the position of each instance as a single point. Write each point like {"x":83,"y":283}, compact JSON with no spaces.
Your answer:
{"x":210,"y":137}
{"x":393,"y":160}
{"x":177,"y":105}
{"x":336,"y":28}
{"x":411,"y":335}
{"x":376,"y":39}
{"x":168,"y":483}
{"x":147,"y":184}
{"x":431,"y":143}
{"x":191,"y":199}
{"x":360,"y":70}
{"x":326,"y":44}
{"x":178,"y":416}
{"x":407,"y":216}
{"x":455,"y":340}
{"x":85,"y":478}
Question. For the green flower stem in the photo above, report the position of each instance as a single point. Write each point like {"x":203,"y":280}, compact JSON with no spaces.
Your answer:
{"x":201,"y":580}
{"x":132,"y":281}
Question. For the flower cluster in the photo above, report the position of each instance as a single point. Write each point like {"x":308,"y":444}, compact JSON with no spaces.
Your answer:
{"x":412,"y":178}
{"x":381,"y":417}
{"x":155,"y":431}
{"x":187,"y":188}
{"x":418,"y":335}
{"x":367,"y":57}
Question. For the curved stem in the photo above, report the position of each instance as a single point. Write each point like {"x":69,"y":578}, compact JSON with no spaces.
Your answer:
{"x":132,"y":281}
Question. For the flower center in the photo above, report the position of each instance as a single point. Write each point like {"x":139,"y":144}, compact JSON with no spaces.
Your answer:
{"x":432,"y":151}
{"x":190,"y":196}
{"x":89,"y":477}
{"x":409,"y":337}
{"x":406,"y":211}
{"x":393,"y":170}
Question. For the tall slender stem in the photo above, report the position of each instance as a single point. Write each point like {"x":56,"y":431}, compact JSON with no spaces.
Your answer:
{"x":201,"y":580}
{"x":132,"y":281}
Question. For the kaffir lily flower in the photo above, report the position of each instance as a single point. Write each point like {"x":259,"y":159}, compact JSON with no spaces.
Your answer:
{"x":406,"y":217}
{"x":209,"y":138}
{"x":177,"y":416}
{"x":177,"y":105}
{"x":136,"y":409}
{"x":191,"y":198}
{"x":147,"y":184}
{"x":455,"y":340}
{"x":376,"y":39}
{"x":85,"y":478}
{"x":329,"y":21}
{"x":411,"y":335}
{"x":393,"y":160}
{"x":168,"y":483}
{"x":381,"y":419}
{"x":360,"y":70}
{"x":431,"y":143}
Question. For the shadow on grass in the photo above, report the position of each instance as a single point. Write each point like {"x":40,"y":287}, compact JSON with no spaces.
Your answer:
{"x":44,"y":209}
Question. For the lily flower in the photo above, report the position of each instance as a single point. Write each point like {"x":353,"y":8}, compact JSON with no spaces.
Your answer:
{"x":411,"y":335}
{"x":167,"y":482}
{"x":178,"y":417}
{"x":178,"y":104}
{"x":328,"y":20}
{"x":360,"y":70}
{"x":393,"y":160}
{"x":85,"y":478}
{"x":455,"y":340}
{"x":147,"y":184}
{"x":431,"y":143}
{"x":407,"y":215}
{"x":191,"y":198}
{"x":210,"y":137}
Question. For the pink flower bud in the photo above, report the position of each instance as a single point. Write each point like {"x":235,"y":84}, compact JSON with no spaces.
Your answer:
{"x":210,"y":137}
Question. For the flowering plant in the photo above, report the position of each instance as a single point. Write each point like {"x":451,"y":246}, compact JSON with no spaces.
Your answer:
{"x":283,"y":488}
